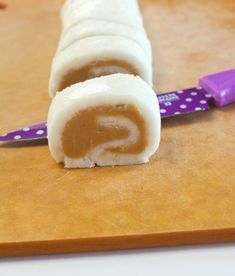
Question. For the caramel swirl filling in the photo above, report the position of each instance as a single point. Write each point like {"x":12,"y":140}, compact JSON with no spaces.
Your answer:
{"x":103,"y":125}
{"x":96,"y":69}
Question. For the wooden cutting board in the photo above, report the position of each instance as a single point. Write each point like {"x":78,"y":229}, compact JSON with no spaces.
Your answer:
{"x":185,"y":195}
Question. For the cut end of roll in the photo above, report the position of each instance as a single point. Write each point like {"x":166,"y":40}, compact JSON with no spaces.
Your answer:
{"x":106,"y":121}
{"x":112,"y":55}
{"x":95,"y":69}
{"x":109,"y":131}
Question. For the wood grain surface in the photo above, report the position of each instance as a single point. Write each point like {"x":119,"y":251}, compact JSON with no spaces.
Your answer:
{"x":185,"y":195}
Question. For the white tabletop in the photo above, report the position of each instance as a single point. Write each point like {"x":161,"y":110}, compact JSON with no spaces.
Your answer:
{"x":191,"y":261}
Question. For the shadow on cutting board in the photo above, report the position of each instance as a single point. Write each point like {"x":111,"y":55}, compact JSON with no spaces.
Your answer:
{"x":21,"y":144}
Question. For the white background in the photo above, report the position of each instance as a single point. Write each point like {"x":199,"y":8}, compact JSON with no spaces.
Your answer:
{"x":191,"y":261}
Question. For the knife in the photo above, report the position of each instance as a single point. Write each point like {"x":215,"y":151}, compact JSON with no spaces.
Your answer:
{"x":215,"y":89}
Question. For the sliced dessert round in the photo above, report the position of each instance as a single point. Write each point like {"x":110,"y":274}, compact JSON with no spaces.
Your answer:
{"x":111,"y":120}
{"x":98,"y":56}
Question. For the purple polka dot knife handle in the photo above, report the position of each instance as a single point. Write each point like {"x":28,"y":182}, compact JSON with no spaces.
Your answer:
{"x":221,"y":86}
{"x":218,"y":88}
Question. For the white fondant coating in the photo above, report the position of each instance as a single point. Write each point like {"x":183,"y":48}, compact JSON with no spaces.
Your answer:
{"x":122,"y":11}
{"x":89,"y":28}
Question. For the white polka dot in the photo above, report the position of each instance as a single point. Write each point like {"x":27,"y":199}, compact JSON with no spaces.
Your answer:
{"x":203,"y":102}
{"x":208,"y":95}
{"x":177,"y":113}
{"x":167,"y":103}
{"x":193,"y":93}
{"x":183,"y":106}
{"x":26,"y":129}
{"x":40,"y":132}
{"x":17,"y":137}
{"x":180,"y":91}
{"x":197,"y":108}
{"x":199,"y":88}
{"x":188,"y":100}
{"x":163,"y":110}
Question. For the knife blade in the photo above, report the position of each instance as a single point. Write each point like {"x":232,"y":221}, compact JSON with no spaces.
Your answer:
{"x":217,"y":89}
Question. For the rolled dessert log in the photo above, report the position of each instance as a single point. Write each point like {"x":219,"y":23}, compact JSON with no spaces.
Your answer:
{"x":125,"y":12}
{"x":98,"y":56}
{"x":90,"y":28}
{"x":111,"y":120}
